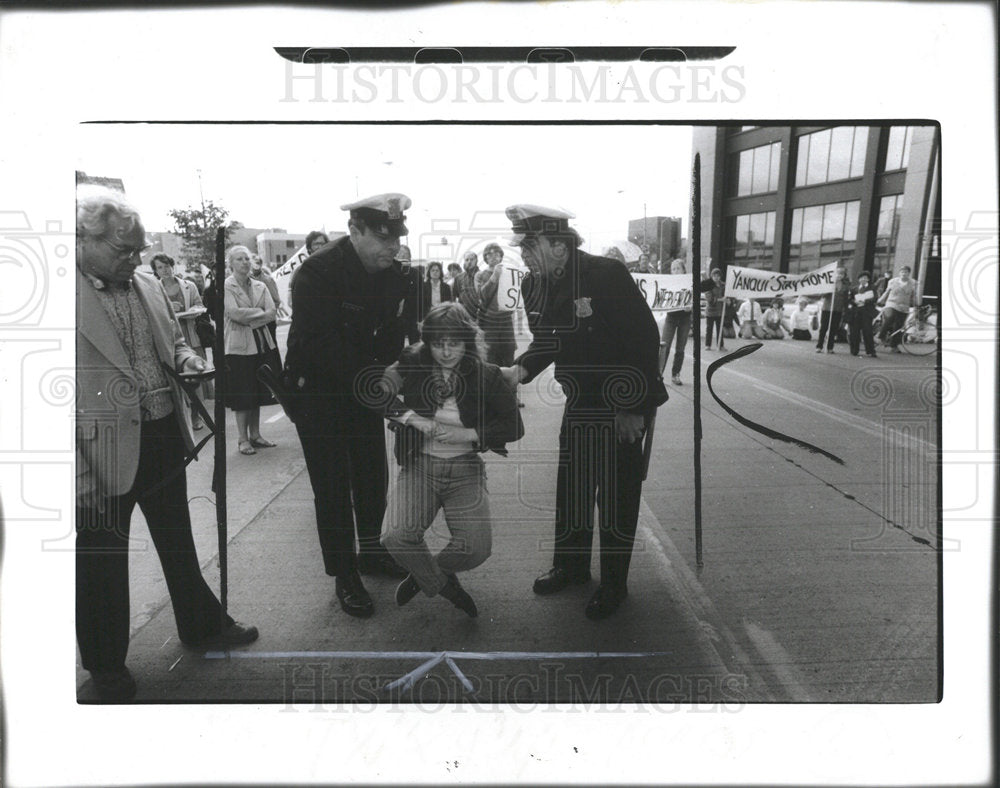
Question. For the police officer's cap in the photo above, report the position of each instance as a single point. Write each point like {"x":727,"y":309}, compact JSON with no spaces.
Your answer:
{"x":383,"y":213}
{"x":533,"y":219}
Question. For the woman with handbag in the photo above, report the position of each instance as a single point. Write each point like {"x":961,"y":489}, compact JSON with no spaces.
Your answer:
{"x":185,"y":300}
{"x":451,"y":406}
{"x":248,"y":345}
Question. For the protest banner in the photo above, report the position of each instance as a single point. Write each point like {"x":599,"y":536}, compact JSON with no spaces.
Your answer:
{"x":663,"y":292}
{"x":754,"y":283}
{"x":283,"y":276}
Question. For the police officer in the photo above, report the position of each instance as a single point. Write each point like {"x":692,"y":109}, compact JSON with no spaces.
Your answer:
{"x":589,"y":318}
{"x":347,"y":325}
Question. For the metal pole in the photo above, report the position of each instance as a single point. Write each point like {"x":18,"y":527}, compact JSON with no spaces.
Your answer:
{"x":696,"y":338}
{"x":928,"y":234}
{"x":221,"y":387}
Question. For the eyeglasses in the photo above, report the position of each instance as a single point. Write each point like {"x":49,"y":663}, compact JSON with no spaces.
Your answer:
{"x":125,"y":253}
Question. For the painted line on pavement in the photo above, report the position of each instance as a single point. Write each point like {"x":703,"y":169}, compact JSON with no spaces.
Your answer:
{"x":858,"y":422}
{"x":720,"y":637}
{"x":276,"y":417}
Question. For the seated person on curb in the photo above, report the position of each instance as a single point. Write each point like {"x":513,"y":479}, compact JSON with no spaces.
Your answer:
{"x":454,"y":406}
{"x":749,"y":319}
{"x":772,"y":320}
{"x":133,"y":430}
{"x":801,"y":320}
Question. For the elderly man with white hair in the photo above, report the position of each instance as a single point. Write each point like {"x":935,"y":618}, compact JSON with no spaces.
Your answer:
{"x":133,"y":430}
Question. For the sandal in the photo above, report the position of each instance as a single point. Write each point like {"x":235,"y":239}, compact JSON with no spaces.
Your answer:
{"x":246,"y":447}
{"x":262,"y":443}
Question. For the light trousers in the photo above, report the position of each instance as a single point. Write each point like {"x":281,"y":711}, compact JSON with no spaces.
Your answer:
{"x":426,"y":485}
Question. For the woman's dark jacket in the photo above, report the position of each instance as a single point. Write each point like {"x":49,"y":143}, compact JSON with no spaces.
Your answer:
{"x":485,"y":402}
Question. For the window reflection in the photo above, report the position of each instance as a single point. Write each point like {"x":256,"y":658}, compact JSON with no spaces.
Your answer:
{"x":897,"y":152}
{"x":831,"y":155}
{"x":821,"y":233}
{"x":753,"y":240}
{"x":890,"y":208}
{"x":758,"y":169}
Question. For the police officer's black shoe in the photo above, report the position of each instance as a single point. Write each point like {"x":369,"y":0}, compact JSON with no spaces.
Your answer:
{"x":605,"y":601}
{"x":406,"y":590}
{"x":458,"y":596}
{"x":380,"y":564}
{"x":557,"y":578}
{"x":354,"y":599}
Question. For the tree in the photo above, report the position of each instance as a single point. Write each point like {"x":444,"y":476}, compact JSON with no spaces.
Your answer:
{"x":198,"y":226}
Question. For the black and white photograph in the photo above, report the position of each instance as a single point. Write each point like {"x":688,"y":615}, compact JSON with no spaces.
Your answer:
{"x":525,"y":411}
{"x":384,"y":550}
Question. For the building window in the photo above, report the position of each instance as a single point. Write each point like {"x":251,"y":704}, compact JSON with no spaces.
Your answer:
{"x":758,"y":169}
{"x":289,"y":244}
{"x":821,"y":234}
{"x":889,"y":211}
{"x":831,"y":155}
{"x":752,"y":240}
{"x":897,"y":152}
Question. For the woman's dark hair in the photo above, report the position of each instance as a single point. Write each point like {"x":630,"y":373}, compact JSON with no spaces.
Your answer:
{"x":436,"y":265}
{"x":161,"y":258}
{"x":450,"y":320}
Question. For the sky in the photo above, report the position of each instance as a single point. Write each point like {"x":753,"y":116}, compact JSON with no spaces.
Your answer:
{"x":460,"y":178}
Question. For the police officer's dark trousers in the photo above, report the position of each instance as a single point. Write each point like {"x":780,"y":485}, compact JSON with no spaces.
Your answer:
{"x":595,"y":467}
{"x":344,"y":447}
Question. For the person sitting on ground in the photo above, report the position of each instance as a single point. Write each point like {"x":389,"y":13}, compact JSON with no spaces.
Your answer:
{"x":772,"y":320}
{"x":749,"y":319}
{"x":454,"y":406}
{"x":801,"y":320}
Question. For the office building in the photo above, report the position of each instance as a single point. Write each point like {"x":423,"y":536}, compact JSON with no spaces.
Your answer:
{"x":794,"y":198}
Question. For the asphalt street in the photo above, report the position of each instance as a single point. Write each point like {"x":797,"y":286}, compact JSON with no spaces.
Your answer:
{"x":819,"y":581}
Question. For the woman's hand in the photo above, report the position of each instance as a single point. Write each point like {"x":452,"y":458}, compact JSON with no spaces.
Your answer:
{"x":446,"y":433}
{"x":424,"y":425}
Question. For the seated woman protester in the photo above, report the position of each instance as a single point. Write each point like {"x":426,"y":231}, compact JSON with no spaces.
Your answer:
{"x":453,"y":406}
{"x":772,"y":320}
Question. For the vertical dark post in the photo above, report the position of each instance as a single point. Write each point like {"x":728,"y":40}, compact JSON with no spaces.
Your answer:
{"x":221,"y":387}
{"x":696,"y":339}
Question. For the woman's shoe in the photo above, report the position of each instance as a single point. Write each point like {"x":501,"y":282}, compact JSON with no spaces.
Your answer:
{"x":246,"y":447}
{"x":454,"y":593}
{"x":262,"y":443}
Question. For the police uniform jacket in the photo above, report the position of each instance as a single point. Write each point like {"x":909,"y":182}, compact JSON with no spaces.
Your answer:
{"x":485,"y":402}
{"x":347,"y":324}
{"x":595,"y":325}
